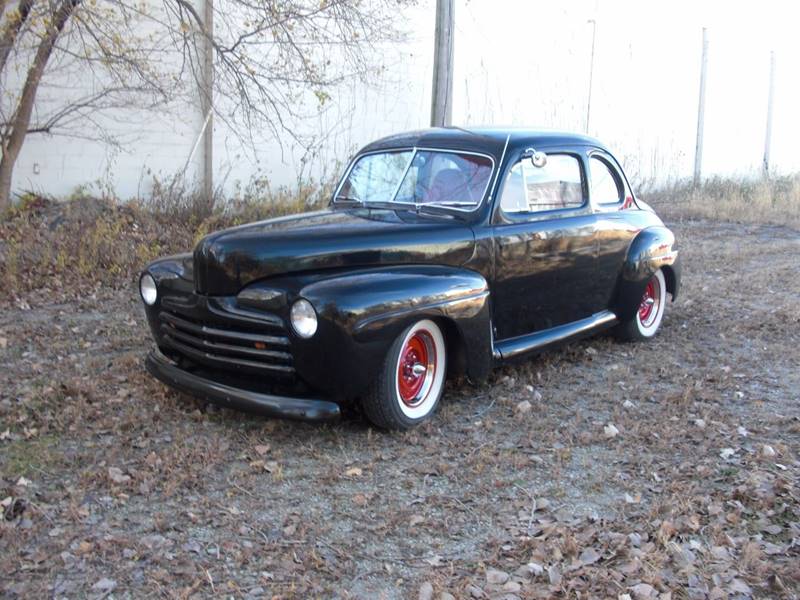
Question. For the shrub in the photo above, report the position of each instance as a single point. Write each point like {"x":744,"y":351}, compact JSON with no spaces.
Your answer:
{"x":75,"y":245}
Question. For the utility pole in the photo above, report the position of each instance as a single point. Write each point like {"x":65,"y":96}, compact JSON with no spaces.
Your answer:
{"x":207,"y":103}
{"x":701,"y":111}
{"x":770,"y":101}
{"x":591,"y":75}
{"x":442,"y":100}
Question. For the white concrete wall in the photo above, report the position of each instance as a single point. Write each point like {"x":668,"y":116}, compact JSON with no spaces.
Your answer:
{"x":147,"y":142}
{"x":518,"y":63}
{"x":61,"y":166}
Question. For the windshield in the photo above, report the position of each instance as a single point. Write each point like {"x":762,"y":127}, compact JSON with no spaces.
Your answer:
{"x":418,"y":177}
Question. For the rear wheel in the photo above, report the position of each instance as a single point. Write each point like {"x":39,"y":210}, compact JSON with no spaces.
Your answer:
{"x":645,"y":323}
{"x":411,"y":380}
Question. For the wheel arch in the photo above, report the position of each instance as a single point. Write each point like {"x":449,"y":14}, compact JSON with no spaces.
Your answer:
{"x":455,"y":345}
{"x":652,"y":249}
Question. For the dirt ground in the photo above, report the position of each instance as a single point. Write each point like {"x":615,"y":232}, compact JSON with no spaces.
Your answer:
{"x":667,"y":469}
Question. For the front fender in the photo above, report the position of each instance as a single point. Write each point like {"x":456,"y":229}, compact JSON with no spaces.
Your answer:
{"x":652,"y":249}
{"x":362,"y":313}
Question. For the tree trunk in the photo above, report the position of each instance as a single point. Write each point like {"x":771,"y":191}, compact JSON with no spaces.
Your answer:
{"x":6,"y":169}
{"x":22,"y":116}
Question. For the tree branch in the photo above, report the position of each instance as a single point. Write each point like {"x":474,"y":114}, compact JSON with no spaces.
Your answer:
{"x":12,"y":29}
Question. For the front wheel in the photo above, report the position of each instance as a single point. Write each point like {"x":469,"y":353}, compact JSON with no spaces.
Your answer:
{"x":411,"y":380}
{"x":645,"y":323}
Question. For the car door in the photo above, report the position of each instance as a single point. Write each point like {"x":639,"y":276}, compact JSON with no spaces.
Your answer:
{"x":612,"y":202}
{"x":544,"y":245}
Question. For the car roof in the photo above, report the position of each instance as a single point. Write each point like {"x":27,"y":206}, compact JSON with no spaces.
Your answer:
{"x":488,"y":140}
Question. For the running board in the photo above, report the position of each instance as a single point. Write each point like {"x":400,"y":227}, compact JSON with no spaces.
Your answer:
{"x":513,"y":347}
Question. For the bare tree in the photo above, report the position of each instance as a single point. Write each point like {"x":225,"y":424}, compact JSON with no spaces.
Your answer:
{"x":274,"y":61}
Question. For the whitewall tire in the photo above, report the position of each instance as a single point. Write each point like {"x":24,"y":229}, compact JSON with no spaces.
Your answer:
{"x":650,"y":312}
{"x":410,"y":384}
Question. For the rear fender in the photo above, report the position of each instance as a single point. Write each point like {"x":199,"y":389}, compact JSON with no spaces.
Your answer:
{"x":652,"y":249}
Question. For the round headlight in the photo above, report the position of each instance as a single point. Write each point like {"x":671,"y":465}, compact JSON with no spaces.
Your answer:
{"x":148,"y":289}
{"x":304,"y":318}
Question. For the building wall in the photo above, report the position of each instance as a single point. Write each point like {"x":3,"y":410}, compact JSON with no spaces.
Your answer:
{"x":163,"y":143}
{"x":517,"y":63}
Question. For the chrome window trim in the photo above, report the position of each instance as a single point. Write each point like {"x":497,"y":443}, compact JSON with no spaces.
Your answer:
{"x":493,"y":193}
{"x":414,"y":150}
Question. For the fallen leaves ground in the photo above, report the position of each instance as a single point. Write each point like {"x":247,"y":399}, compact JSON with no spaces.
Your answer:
{"x":600,"y":470}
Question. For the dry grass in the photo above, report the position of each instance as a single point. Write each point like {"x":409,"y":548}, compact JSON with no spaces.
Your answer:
{"x":84,"y":242}
{"x":775,"y":200}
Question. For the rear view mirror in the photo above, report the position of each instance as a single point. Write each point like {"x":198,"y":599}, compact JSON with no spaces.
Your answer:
{"x":538,"y":159}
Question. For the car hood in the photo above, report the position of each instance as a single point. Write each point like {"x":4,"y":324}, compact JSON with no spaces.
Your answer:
{"x":228,"y":260}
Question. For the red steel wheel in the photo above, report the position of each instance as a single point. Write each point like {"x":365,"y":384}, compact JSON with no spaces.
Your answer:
{"x":648,"y":307}
{"x":651,"y":306}
{"x":419,"y":370}
{"x":416,"y":369}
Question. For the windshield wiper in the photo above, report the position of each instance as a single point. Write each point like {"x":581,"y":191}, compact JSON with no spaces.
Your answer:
{"x":446,"y":209}
{"x":348,"y":199}
{"x":389,"y":204}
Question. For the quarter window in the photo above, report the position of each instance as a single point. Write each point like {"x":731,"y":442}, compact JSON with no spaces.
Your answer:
{"x":605,"y":188}
{"x":529,"y":189}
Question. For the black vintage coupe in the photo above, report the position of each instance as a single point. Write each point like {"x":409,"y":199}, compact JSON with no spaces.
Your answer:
{"x":443,"y":252}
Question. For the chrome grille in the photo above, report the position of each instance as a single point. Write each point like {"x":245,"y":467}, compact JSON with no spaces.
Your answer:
{"x":232,"y":349}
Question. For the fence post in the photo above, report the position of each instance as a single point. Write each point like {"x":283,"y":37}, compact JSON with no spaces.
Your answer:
{"x":770,"y":101}
{"x":442,"y":101}
{"x":591,"y":77}
{"x":701,"y":110}
{"x":207,"y":103}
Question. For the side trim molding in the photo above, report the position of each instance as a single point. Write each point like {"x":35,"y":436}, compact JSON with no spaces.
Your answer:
{"x":513,"y":347}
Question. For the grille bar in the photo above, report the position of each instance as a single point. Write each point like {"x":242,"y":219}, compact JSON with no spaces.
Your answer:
{"x":224,"y":361}
{"x":236,"y":336}
{"x":217,"y":348}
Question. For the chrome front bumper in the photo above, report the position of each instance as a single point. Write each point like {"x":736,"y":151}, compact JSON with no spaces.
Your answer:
{"x":305,"y":409}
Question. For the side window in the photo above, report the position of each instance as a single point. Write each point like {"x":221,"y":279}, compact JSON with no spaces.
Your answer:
{"x":606,"y":187}
{"x":529,"y":189}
